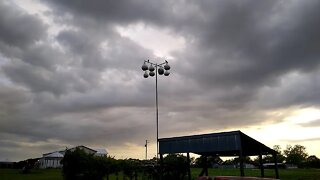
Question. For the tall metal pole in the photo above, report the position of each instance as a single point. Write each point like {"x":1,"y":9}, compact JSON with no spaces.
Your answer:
{"x":154,"y":66}
{"x":146,"y":149}
{"x":157,"y":111}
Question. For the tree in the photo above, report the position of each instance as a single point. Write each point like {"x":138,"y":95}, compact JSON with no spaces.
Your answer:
{"x":312,"y":162}
{"x":106,"y":165}
{"x":27,"y":165}
{"x":229,"y":162}
{"x":269,"y":158}
{"x":246,"y":159}
{"x":215,"y":160}
{"x":175,"y":166}
{"x":200,"y":161}
{"x":74,"y":163}
{"x":296,"y":154}
{"x":79,"y":165}
{"x":130,"y":168}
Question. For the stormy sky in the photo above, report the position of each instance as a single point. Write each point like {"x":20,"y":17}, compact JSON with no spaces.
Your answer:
{"x":70,"y":73}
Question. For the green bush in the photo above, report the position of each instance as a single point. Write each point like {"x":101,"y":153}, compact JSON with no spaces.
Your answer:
{"x":79,"y":165}
{"x":174,"y":166}
{"x":130,"y":167}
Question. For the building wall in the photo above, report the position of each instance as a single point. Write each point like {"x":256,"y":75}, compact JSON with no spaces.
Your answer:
{"x":50,"y":163}
{"x":52,"y":160}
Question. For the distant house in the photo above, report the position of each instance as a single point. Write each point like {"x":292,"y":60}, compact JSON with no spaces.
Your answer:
{"x":291,"y":166}
{"x":101,"y":152}
{"x":248,"y":166}
{"x":52,"y":159}
{"x":272,"y":165}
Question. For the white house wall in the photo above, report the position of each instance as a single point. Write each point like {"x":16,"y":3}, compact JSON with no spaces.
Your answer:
{"x":50,"y":163}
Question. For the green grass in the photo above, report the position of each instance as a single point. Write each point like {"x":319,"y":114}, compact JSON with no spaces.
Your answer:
{"x":285,"y":174}
{"x":55,"y":174}
{"x":39,"y":174}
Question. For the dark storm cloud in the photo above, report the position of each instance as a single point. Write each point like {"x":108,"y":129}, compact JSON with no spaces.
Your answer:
{"x":37,"y":79}
{"x":122,"y":11}
{"x":38,"y":121}
{"x":15,"y":146}
{"x":250,"y":43}
{"x":239,"y":43}
{"x":235,"y":48}
{"x":293,"y":89}
{"x":83,"y":84}
{"x":18,"y":28}
{"x":99,"y":50}
{"x":243,"y":46}
{"x":65,"y":91}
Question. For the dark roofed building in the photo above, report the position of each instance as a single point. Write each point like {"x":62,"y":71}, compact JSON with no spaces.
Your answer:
{"x":234,"y":143}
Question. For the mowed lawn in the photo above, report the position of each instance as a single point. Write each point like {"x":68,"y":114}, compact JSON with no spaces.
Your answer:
{"x":285,"y":174}
{"x":55,"y":174}
{"x":39,"y":174}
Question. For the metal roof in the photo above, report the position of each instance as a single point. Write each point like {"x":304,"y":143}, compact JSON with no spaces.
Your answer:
{"x":56,"y":154}
{"x":222,"y":144}
{"x":101,"y":151}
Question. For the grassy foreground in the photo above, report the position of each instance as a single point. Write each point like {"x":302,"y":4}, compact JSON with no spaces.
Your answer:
{"x":43,"y":174}
{"x":55,"y":174}
{"x":285,"y":174}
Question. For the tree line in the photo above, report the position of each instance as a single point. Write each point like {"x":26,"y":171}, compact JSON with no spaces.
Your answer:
{"x":294,"y":155}
{"x":79,"y":165}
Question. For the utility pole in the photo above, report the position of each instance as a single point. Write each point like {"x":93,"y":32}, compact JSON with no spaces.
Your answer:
{"x":146,"y":145}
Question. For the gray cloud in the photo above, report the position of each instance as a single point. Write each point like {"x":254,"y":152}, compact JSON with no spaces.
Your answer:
{"x":303,"y":140}
{"x":17,"y":28}
{"x":294,"y":89}
{"x":313,"y":123}
{"x":121,"y":12}
{"x":240,"y":46}
{"x":84,"y":85}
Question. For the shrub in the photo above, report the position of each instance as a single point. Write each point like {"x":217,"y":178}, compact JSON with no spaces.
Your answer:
{"x":174,"y":166}
{"x":130,"y":168}
{"x":79,"y":165}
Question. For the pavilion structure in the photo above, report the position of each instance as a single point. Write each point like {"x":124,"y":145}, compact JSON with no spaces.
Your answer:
{"x":226,"y":144}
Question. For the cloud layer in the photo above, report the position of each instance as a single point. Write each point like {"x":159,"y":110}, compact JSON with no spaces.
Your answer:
{"x":68,"y":76}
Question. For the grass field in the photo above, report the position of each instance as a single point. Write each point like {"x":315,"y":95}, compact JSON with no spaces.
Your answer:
{"x":46,"y":174}
{"x":55,"y":174}
{"x":285,"y":174}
